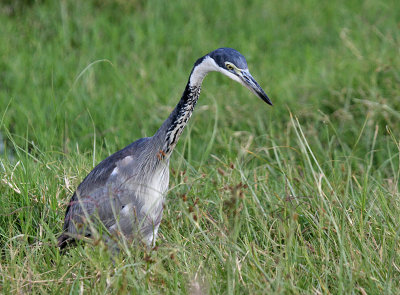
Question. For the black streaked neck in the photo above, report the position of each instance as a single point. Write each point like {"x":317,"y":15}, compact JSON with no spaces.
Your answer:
{"x":172,"y":128}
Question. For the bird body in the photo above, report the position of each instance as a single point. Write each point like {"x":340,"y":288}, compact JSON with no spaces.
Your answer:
{"x":125,"y":193}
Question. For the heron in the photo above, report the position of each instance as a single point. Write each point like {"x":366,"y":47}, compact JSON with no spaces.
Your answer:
{"x":124,"y":194}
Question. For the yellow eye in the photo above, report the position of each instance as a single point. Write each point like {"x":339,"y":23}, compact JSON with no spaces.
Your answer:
{"x":229,"y":67}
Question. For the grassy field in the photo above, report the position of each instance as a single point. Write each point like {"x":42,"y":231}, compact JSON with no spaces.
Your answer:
{"x":300,"y":198}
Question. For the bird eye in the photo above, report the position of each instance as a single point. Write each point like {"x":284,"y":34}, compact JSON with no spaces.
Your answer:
{"x":229,"y":67}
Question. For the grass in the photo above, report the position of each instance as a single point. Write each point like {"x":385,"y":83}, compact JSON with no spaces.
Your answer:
{"x":296,"y":199}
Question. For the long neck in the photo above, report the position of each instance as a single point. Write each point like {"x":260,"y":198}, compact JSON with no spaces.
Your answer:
{"x":172,"y":128}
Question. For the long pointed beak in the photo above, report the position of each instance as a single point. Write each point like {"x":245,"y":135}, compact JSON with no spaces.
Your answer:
{"x":252,"y":84}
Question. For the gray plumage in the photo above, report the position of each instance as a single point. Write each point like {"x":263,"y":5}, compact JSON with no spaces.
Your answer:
{"x":124,"y":194}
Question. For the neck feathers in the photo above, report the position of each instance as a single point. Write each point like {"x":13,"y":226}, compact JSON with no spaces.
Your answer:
{"x":172,"y":128}
{"x":201,"y":68}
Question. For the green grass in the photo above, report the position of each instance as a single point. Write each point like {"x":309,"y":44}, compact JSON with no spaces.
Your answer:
{"x":296,"y":199}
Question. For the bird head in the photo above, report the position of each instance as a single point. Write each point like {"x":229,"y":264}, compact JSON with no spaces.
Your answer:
{"x":233,"y":64}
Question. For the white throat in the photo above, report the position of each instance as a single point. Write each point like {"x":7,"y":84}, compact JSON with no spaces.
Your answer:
{"x":201,"y":70}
